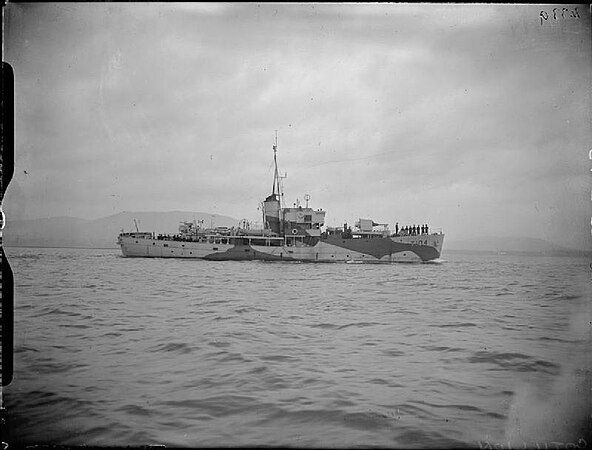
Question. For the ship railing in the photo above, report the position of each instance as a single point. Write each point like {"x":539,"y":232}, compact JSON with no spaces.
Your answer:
{"x":216,"y":238}
{"x":407,"y":233}
{"x":240,"y":236}
{"x":138,"y":235}
{"x":244,"y":239}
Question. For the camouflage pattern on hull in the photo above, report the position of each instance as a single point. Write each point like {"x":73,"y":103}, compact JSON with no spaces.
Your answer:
{"x":381,"y":247}
{"x":246,"y":253}
{"x":332,"y":249}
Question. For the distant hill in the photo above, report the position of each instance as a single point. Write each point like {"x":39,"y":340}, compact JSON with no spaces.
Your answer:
{"x":512,"y":245}
{"x":99,"y":233}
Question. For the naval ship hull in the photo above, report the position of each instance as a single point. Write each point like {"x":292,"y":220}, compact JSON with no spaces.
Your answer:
{"x":422,"y":248}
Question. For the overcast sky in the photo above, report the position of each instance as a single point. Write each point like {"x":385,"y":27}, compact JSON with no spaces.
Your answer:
{"x":472,"y":118}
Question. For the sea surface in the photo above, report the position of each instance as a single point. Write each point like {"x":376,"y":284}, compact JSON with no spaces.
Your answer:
{"x":476,"y":350}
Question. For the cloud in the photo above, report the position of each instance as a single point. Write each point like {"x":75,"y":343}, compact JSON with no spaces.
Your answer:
{"x":398,"y":111}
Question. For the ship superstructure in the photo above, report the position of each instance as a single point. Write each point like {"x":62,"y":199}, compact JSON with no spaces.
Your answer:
{"x":289,"y":234}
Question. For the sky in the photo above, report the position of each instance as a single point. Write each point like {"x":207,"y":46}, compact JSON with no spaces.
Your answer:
{"x":472,"y":118}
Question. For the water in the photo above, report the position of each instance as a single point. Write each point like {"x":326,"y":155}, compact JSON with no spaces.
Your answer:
{"x":476,"y":350}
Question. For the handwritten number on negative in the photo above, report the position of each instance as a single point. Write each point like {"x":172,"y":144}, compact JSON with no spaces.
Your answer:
{"x":544,"y":15}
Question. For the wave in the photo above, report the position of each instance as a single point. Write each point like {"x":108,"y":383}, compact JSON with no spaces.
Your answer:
{"x":457,"y":325}
{"x":515,"y":361}
{"x":173,"y":347}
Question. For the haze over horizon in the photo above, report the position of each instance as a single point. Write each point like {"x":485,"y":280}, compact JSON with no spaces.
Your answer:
{"x":472,"y":118}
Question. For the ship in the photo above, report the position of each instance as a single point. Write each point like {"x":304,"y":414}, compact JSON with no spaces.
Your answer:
{"x":297,"y":234}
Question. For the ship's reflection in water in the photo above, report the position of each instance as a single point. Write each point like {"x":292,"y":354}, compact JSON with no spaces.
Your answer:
{"x":133,"y":351}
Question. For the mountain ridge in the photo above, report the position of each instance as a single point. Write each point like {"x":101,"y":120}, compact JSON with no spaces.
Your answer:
{"x":66,"y":231}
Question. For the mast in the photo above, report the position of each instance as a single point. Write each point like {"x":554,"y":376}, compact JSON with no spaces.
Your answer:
{"x":276,"y":175}
{"x":277,"y":178}
{"x":272,"y":206}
